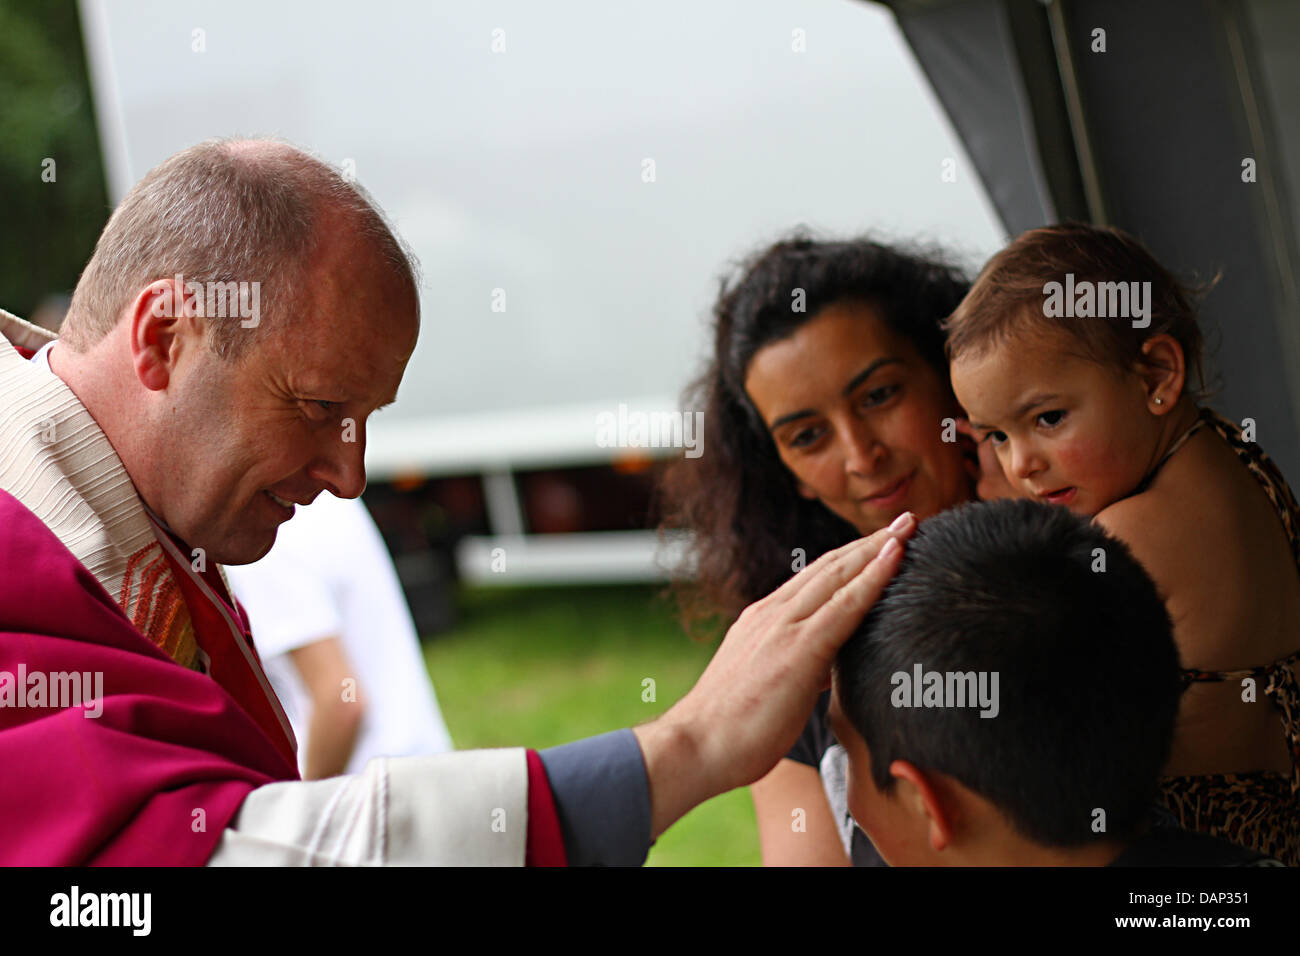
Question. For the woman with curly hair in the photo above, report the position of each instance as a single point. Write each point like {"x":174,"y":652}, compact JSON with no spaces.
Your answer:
{"x":828,"y":414}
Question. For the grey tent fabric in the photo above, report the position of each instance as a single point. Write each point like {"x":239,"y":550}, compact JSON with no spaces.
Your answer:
{"x":1149,"y":125}
{"x":966,"y":50}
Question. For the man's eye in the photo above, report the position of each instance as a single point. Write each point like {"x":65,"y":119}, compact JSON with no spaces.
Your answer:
{"x":313,"y":408}
{"x":1051,"y":419}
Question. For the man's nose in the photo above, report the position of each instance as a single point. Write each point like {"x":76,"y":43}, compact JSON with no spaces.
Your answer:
{"x":343,"y":464}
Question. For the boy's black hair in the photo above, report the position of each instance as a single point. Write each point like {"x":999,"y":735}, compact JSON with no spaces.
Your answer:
{"x":1088,"y":673}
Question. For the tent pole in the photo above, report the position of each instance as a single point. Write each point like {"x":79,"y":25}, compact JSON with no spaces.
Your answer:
{"x":1280,"y":237}
{"x":1074,"y":107}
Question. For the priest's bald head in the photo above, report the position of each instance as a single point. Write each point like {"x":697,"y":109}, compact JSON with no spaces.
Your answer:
{"x":245,"y":310}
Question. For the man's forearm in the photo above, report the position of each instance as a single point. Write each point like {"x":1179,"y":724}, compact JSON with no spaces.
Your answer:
{"x":468,"y":808}
{"x":677,"y":776}
{"x":602,"y":798}
{"x":612,"y":794}
{"x":616,"y":793}
{"x":457,"y":809}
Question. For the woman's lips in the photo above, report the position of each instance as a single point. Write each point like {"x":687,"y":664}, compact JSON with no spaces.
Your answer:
{"x":892,"y":495}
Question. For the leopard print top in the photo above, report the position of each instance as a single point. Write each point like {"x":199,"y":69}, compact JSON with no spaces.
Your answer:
{"x":1258,"y":809}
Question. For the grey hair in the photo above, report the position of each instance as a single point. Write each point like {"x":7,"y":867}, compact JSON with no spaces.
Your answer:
{"x":226,"y":211}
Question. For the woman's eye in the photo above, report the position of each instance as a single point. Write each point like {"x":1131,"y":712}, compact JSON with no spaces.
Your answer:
{"x":878,"y":396}
{"x":995,"y":438}
{"x":1051,"y":419}
{"x":805,"y":438}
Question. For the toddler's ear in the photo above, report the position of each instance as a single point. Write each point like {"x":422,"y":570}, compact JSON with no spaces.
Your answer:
{"x":1164,"y":372}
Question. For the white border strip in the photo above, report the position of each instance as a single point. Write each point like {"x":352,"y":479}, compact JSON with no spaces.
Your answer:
{"x":108,"y":99}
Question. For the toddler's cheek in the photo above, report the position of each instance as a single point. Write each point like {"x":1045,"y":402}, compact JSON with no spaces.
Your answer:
{"x":1099,"y":467}
{"x":1077,"y":459}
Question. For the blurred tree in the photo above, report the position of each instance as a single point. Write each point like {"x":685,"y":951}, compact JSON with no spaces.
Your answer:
{"x":50,"y":214}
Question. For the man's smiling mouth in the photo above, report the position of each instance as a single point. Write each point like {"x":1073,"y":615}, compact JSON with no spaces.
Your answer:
{"x":282,"y":502}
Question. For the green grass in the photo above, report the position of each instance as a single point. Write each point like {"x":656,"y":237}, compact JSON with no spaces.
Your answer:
{"x":538,"y":667}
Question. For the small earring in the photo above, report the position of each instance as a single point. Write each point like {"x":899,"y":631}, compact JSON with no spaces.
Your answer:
{"x":1160,"y":401}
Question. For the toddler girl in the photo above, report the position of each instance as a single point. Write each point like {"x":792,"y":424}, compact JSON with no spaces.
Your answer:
{"x":1077,"y":357}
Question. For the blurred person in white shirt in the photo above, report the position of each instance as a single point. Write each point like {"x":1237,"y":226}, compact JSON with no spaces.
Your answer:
{"x":337,"y":641}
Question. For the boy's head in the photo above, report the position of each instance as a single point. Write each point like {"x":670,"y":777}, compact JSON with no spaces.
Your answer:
{"x":1058,"y":755}
{"x":1069,"y":350}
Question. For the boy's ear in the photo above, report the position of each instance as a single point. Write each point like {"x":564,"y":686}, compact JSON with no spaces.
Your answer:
{"x":1164,"y":371}
{"x":921,"y":795}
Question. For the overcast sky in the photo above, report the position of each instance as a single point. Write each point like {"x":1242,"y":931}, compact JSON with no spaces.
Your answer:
{"x":522,"y":170}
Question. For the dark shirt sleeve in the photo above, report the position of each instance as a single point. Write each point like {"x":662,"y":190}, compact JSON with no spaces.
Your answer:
{"x":816,"y":737}
{"x":602,"y":797}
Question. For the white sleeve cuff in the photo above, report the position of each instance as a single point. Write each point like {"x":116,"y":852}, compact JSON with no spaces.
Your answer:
{"x":468,"y":808}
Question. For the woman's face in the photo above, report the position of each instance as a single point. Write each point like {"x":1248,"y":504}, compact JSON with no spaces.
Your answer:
{"x":858,"y":417}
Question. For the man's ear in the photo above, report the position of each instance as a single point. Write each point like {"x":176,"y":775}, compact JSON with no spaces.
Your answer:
{"x":921,"y":794}
{"x":155,"y":320}
{"x":1163,"y":371}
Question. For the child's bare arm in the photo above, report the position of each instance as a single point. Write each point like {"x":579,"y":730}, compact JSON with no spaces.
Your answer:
{"x":795,"y":823}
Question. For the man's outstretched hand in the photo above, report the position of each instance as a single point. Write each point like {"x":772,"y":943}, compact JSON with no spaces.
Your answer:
{"x":750,"y":704}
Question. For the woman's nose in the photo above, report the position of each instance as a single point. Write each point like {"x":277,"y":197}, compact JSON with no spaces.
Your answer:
{"x":863,"y":451}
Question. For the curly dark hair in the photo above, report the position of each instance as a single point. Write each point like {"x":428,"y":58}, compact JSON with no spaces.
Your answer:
{"x":738,"y":498}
